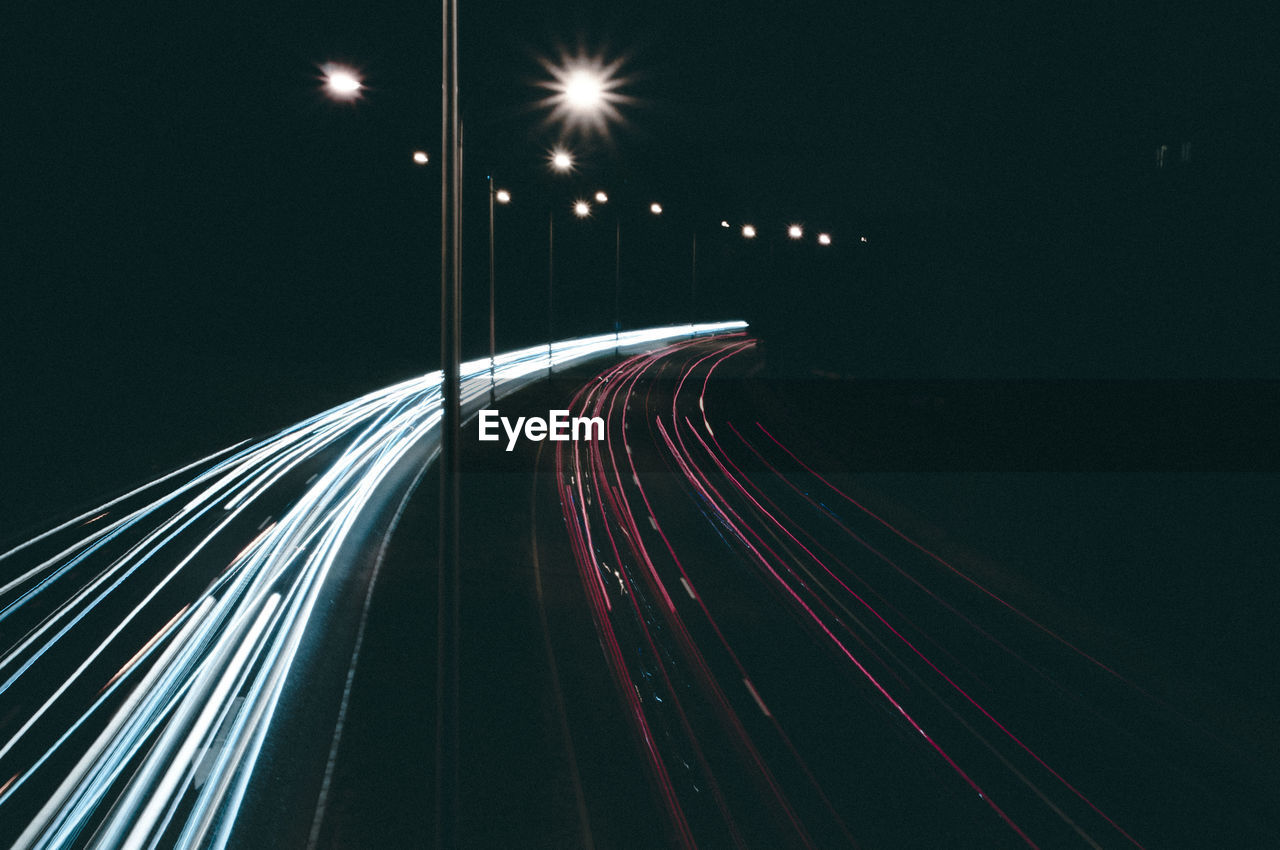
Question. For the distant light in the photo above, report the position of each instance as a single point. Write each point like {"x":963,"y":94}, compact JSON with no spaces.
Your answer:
{"x":421,"y":157}
{"x":795,"y":231}
{"x":561,"y":160}
{"x":343,"y":83}
{"x":748,"y":231}
{"x":824,"y":238}
{"x":724,"y":224}
{"x":602,"y":198}
{"x":581,"y":209}
{"x":655,"y":208}
{"x":503,"y":196}
{"x":864,"y":239}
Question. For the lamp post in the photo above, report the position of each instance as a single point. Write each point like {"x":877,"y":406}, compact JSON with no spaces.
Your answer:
{"x":502,"y":196}
{"x":449,"y":577}
{"x":693,"y":282}
{"x":617,"y":277}
{"x":603,"y":198}
{"x":562,"y":162}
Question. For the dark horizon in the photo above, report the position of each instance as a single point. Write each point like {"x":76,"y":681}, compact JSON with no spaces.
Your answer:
{"x":203,"y":244}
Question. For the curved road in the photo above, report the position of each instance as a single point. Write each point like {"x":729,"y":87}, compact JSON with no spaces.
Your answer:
{"x":154,"y":649}
{"x":799,"y":672}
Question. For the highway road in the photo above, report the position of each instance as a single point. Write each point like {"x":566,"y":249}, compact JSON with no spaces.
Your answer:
{"x":709,"y":638}
{"x":797,"y":671}
{"x":167,"y":657}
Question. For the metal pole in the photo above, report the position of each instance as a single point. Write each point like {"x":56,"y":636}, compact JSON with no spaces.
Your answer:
{"x":693,"y":283}
{"x":447,"y":637}
{"x":551,"y":276}
{"x":493,"y":348}
{"x":617,"y":276}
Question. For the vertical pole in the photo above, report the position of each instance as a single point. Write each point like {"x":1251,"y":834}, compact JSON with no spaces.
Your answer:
{"x":551,"y":277}
{"x":617,"y":276}
{"x":493,"y":348}
{"x":693,"y":283}
{"x":447,"y":637}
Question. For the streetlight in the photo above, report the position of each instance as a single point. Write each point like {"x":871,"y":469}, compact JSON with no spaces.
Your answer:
{"x":602,"y":198}
{"x":421,"y":157}
{"x":449,"y":579}
{"x":561,"y":160}
{"x":748,"y":232}
{"x":824,"y":238}
{"x":502,"y":196}
{"x":342,"y":82}
{"x":795,"y":231}
{"x":584,"y":96}
{"x":655,"y":208}
{"x":581,"y":209}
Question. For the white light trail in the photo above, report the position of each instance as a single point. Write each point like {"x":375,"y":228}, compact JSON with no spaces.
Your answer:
{"x":202,"y":675}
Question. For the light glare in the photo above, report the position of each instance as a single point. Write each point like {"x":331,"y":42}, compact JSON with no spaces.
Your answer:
{"x":561,"y":160}
{"x":583,"y":89}
{"x":341,"y":82}
{"x":421,"y":157}
{"x":795,"y":231}
{"x":602,"y":198}
{"x":748,"y":231}
{"x":824,"y":238}
{"x":655,"y":208}
{"x":581,"y":209}
{"x":503,"y":196}
{"x":584,"y":97}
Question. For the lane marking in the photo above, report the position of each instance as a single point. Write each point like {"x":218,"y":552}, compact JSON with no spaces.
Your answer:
{"x":687,"y":588}
{"x":756,"y":697}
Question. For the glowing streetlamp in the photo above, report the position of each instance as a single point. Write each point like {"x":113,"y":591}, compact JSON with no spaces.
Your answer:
{"x":581,"y":209}
{"x":501,"y":196}
{"x":602,"y":198}
{"x":748,"y":232}
{"x":341,"y":82}
{"x":421,"y":157}
{"x":655,"y":208}
{"x":583,"y":89}
{"x":795,"y":231}
{"x":561,"y":160}
{"x":824,"y":238}
{"x":584,"y":96}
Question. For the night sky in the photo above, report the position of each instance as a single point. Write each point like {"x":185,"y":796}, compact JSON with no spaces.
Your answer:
{"x":199,"y":246}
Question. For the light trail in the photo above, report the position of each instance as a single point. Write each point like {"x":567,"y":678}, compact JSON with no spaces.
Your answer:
{"x":680,"y":670}
{"x":145,"y":646}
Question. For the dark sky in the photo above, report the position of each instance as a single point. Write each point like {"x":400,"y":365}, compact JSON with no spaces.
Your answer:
{"x":194,"y":235}
{"x":181,"y":152}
